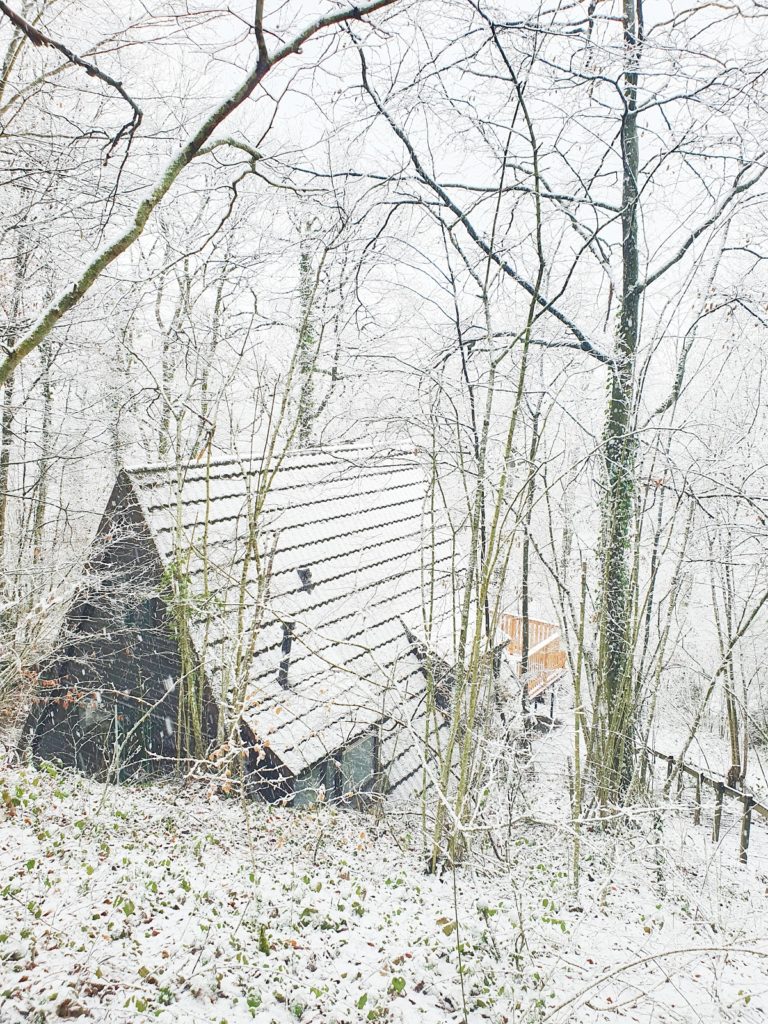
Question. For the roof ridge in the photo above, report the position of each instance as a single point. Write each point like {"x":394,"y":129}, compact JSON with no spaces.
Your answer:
{"x":319,"y":450}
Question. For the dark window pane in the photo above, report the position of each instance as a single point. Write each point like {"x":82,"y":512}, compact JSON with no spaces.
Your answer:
{"x":357,"y":766}
{"x":316,"y":784}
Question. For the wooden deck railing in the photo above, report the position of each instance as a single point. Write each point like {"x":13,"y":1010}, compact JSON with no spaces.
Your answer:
{"x":749,"y":805}
{"x":546,"y":657}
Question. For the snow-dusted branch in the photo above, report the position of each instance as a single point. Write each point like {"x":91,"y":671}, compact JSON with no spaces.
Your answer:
{"x":38,"y":38}
{"x":546,"y":304}
{"x":576,"y":346}
{"x":741,"y":184}
{"x":189,"y":151}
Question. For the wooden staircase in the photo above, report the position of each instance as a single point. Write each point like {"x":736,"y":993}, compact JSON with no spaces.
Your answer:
{"x":546,"y":657}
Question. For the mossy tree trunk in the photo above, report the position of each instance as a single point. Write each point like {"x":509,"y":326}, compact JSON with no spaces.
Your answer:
{"x":307,"y":346}
{"x":615,"y":710}
{"x":41,"y":487}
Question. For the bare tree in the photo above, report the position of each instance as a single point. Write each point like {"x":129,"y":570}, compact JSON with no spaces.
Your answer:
{"x":201,"y":142}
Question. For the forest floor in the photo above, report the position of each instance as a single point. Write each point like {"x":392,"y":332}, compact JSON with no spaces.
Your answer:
{"x":161,"y":903}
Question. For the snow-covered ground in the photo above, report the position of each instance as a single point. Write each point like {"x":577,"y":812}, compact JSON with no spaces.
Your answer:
{"x":160,"y":903}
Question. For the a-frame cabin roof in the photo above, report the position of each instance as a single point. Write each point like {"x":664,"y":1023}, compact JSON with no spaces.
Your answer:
{"x":310,"y":572}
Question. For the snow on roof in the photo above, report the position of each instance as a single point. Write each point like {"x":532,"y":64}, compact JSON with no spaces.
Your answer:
{"x":303,"y":576}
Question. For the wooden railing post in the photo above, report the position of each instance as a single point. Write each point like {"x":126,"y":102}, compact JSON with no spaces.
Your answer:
{"x":749,"y":806}
{"x":719,"y":787}
{"x":746,"y":825}
{"x":697,"y":807}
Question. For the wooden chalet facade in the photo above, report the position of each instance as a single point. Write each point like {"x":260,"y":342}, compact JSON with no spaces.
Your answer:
{"x":300,"y":586}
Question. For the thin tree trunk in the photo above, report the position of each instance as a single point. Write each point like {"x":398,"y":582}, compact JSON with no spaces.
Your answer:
{"x":525,"y":581}
{"x":307,"y":351}
{"x":6,"y":439}
{"x":6,"y":428}
{"x":41,"y":497}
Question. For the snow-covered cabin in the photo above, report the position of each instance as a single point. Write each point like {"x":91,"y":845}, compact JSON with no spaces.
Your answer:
{"x":279,"y":601}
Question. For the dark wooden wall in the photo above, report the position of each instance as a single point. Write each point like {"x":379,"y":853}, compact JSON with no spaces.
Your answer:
{"x":116,"y":680}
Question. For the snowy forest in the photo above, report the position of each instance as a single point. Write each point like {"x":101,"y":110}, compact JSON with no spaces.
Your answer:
{"x":384,"y":511}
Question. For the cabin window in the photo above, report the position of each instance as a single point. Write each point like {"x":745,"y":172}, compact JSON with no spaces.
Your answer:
{"x":350,"y":772}
{"x":358,"y":766}
{"x":316,"y":784}
{"x":87,"y":613}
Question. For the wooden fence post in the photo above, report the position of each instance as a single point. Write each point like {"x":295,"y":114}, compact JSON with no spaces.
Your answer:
{"x":649,"y":764}
{"x":719,"y":786}
{"x":697,"y":806}
{"x":746,"y":824}
{"x":701,"y":778}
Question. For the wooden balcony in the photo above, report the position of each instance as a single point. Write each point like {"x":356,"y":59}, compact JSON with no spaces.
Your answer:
{"x":546,"y":657}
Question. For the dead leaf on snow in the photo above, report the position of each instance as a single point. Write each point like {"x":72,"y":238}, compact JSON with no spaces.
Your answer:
{"x":71,"y":1008}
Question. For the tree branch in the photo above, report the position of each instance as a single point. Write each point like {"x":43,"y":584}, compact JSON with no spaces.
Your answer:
{"x":191,"y":149}
{"x":576,"y":346}
{"x":38,"y":38}
{"x":739,"y":186}
{"x":467,"y":224}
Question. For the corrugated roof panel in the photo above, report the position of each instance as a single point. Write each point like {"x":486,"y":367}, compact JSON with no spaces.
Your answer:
{"x":341,"y":539}
{"x":342,"y":705}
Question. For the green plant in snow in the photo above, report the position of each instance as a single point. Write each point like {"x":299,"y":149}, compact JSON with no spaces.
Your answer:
{"x":165,"y":996}
{"x":253,"y":1001}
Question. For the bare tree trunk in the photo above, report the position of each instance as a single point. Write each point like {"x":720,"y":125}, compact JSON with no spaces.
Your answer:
{"x":734,"y":771}
{"x":170,"y":354}
{"x":6,"y":439}
{"x":307,"y":348}
{"x":6,"y":428}
{"x":616,"y":703}
{"x":525,"y":581}
{"x":725,"y":627}
{"x":41,"y":497}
